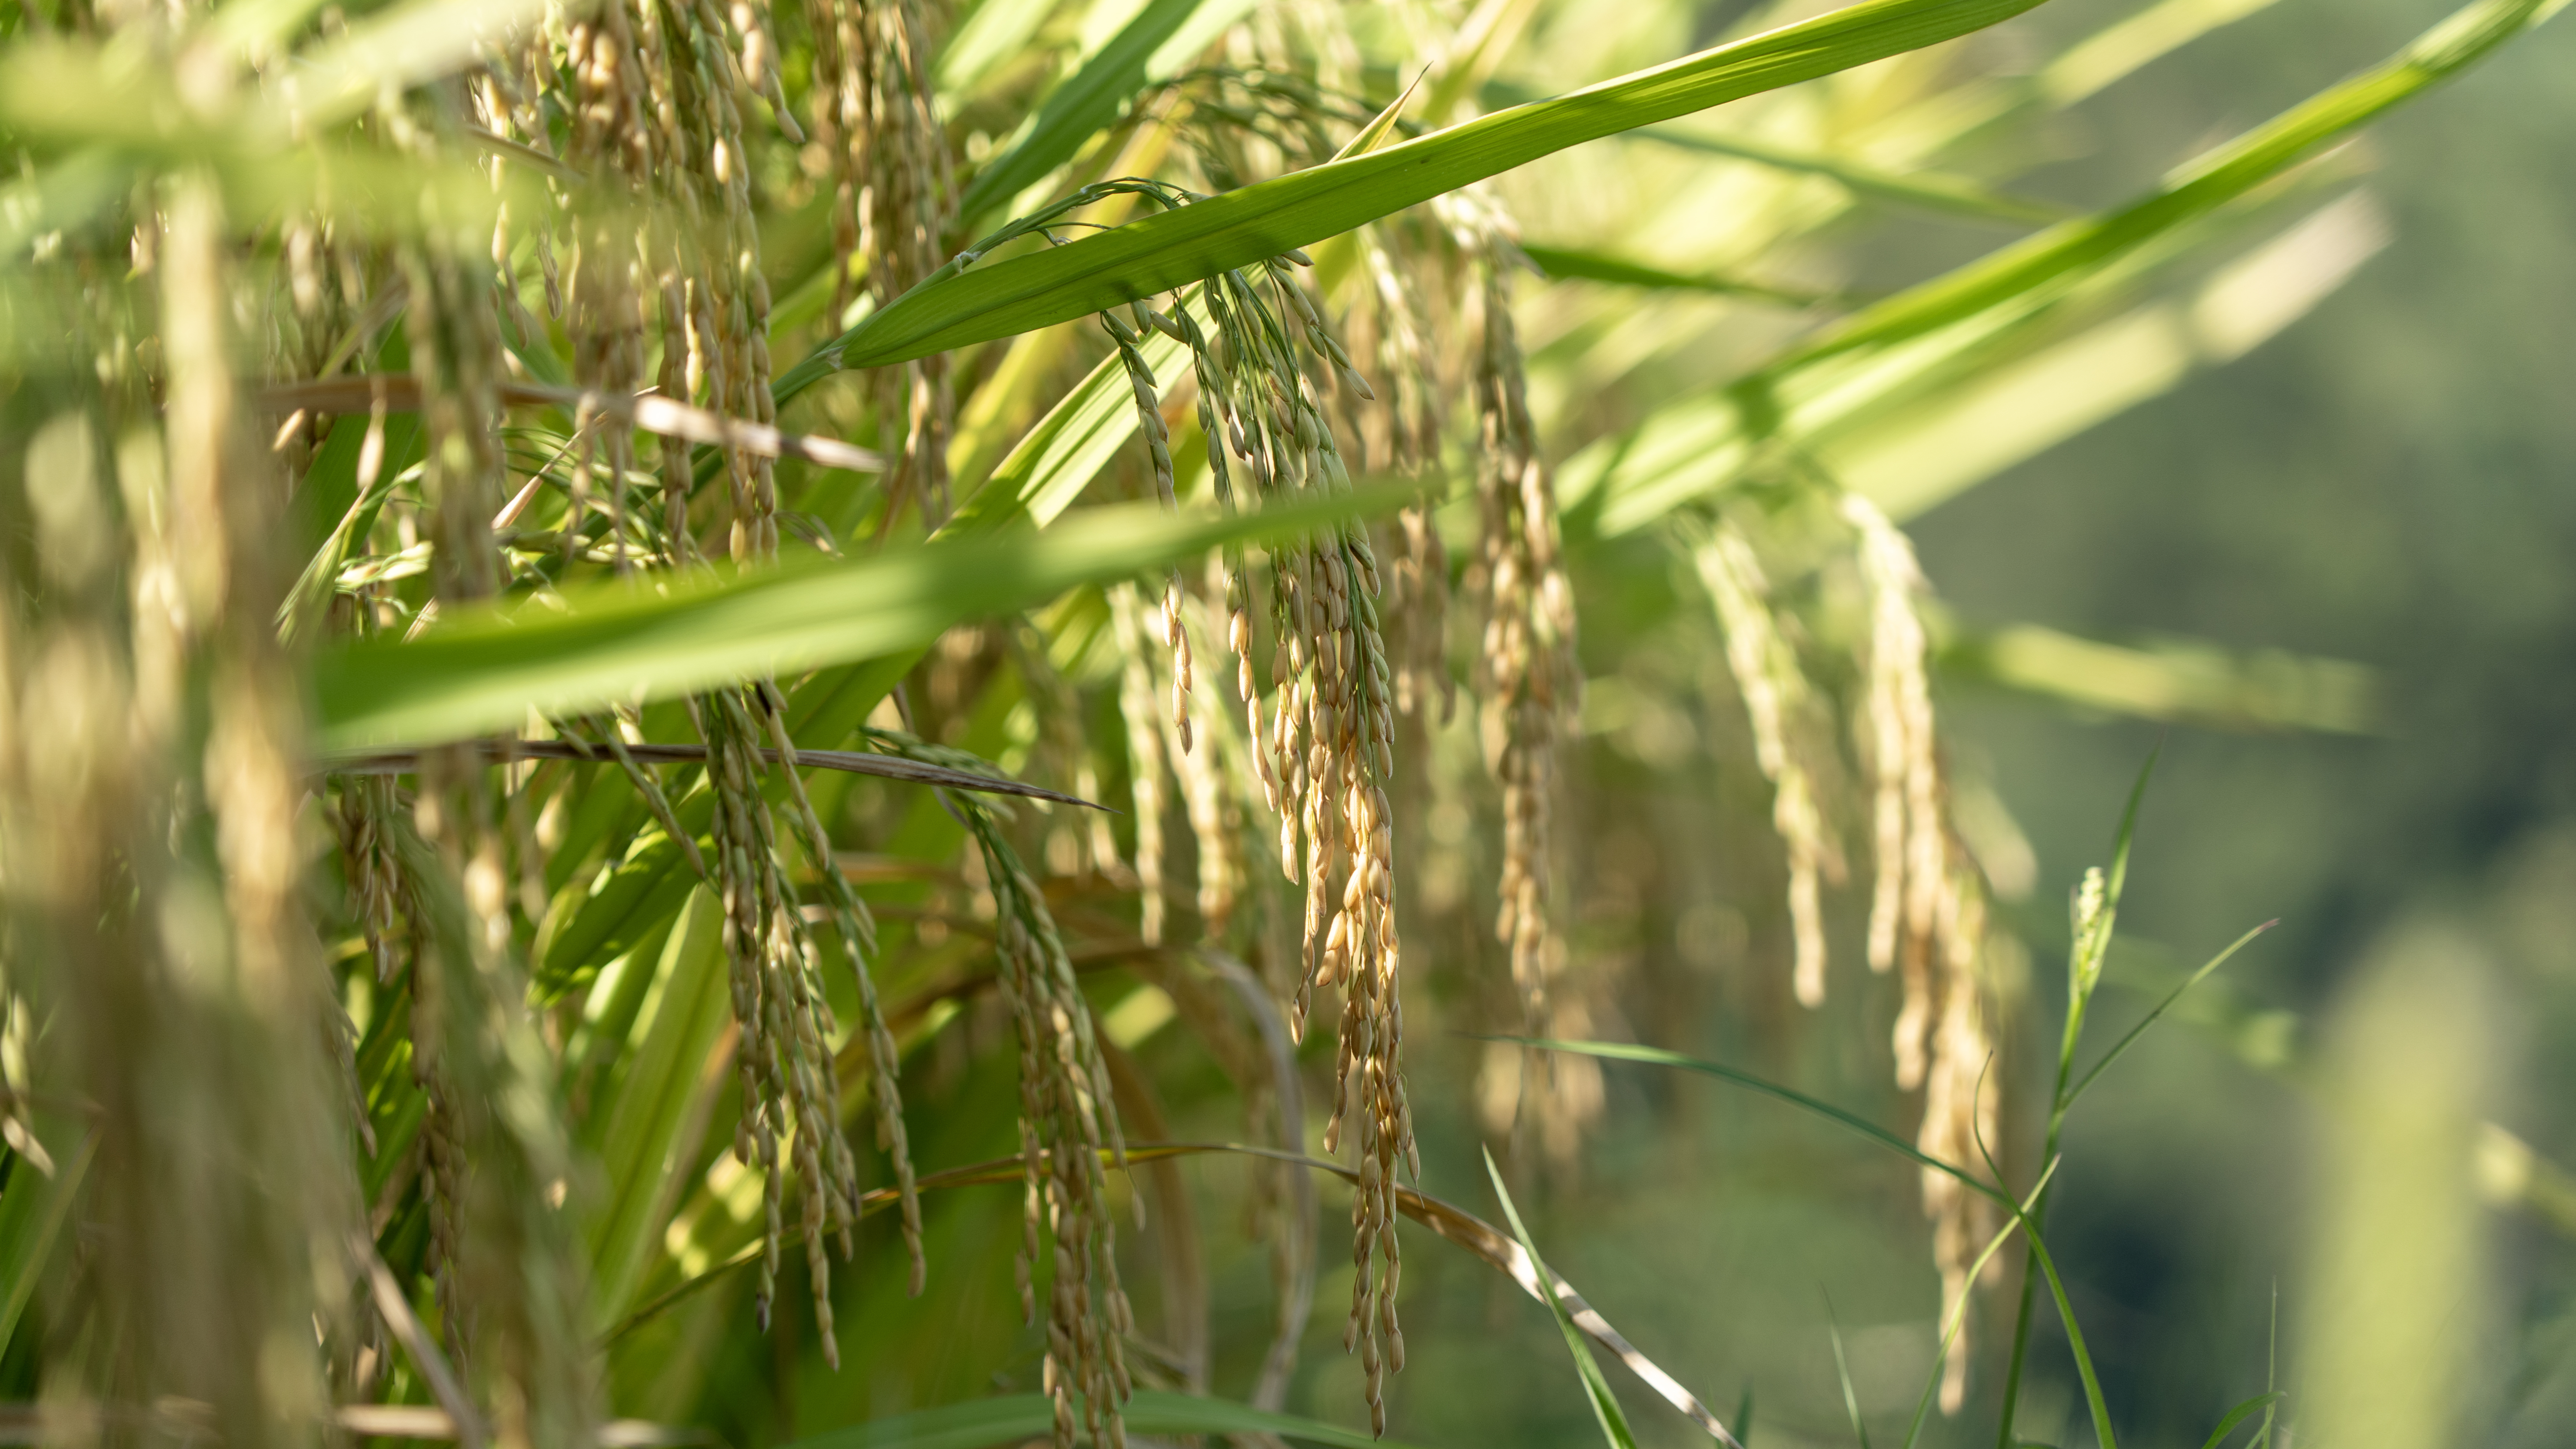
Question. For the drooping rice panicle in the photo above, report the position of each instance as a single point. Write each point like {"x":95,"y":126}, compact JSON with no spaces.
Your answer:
{"x":1147,"y":777}
{"x":1069,"y":1133}
{"x":1776,"y":700}
{"x":876,"y":117}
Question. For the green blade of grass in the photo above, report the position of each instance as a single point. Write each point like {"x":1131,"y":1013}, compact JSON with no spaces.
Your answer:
{"x":1605,"y":1405}
{"x":1959,"y":1311}
{"x":2083,"y":973}
{"x":1020,"y":1417}
{"x":1175,"y":248}
{"x":486,"y":671}
{"x":2468,"y":36}
{"x":2236,"y":1416}
{"x":1382,"y":125}
{"x":1842,"y":1371}
{"x":2161,"y":1008}
{"x":1656,"y":1056}
{"x":2119,"y":873}
{"x":2074,"y":1336}
{"x":32,"y":1214}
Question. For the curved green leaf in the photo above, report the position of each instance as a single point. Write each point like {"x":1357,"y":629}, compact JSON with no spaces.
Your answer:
{"x":1175,"y":248}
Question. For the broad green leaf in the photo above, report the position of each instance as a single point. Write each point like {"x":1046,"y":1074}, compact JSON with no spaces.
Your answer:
{"x":1019,"y":1417}
{"x":991,"y":33}
{"x":2200,"y":187}
{"x":1917,"y":456}
{"x":1060,"y":456}
{"x":629,"y":904}
{"x":329,"y":519}
{"x":642,"y":1148}
{"x":485,"y":671}
{"x":32,"y":1213}
{"x":1929,"y":190}
{"x":1159,"y":253}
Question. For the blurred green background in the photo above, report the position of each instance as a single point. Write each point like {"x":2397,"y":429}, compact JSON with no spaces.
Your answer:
{"x":2388,"y":483}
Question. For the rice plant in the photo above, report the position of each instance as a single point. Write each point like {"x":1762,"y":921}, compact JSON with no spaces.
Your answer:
{"x":645,"y":640}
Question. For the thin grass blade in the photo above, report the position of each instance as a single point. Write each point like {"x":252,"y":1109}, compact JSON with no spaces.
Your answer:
{"x":1605,"y":1405}
{"x":2162,"y":1007}
{"x":1655,"y":1056}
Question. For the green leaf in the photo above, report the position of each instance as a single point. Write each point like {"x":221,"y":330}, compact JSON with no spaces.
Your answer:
{"x":32,"y":1213}
{"x":1656,"y":1056}
{"x":1595,"y":267}
{"x":486,"y":670}
{"x":1910,"y":425}
{"x":1930,"y":190}
{"x":1055,"y":460}
{"x":1842,"y":1371}
{"x":2218,"y":177}
{"x":1175,"y":248}
{"x":2074,"y":1333}
{"x":1959,"y":1311}
{"x":2162,"y":1007}
{"x":1090,"y":99}
{"x":2239,"y":1415}
{"x":1038,"y":481}
{"x":2173,"y":680}
{"x":630,"y":904}
{"x":1032,"y":1416}
{"x":642,"y":1151}
{"x":1605,"y":1405}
